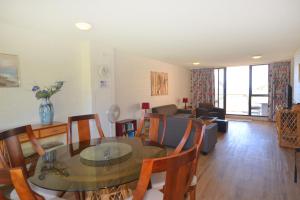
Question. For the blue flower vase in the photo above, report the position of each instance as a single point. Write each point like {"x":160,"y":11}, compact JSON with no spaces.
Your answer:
{"x":46,"y":111}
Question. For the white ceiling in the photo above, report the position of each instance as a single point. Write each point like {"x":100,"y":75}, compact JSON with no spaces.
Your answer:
{"x":212,"y":32}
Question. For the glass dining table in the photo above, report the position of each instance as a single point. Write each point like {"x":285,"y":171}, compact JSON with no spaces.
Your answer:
{"x":94,"y":164}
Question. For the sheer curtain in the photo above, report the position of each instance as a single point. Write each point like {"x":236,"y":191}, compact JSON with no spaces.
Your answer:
{"x":279,"y":78}
{"x":203,"y":86}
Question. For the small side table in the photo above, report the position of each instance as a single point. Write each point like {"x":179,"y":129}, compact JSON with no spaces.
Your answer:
{"x":222,"y":125}
{"x":207,"y":120}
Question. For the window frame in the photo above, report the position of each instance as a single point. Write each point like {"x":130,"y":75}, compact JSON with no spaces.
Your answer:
{"x":251,"y":93}
{"x":250,"y":90}
{"x":224,"y":88}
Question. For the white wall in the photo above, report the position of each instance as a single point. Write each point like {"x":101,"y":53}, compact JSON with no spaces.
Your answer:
{"x":133,"y":83}
{"x":296,"y":77}
{"x":44,"y":59}
{"x":103,"y":97}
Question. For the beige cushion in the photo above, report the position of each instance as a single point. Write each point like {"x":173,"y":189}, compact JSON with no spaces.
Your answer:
{"x":168,"y":110}
{"x":194,"y":181}
{"x":47,"y":194}
{"x":152,"y":194}
{"x":158,"y":180}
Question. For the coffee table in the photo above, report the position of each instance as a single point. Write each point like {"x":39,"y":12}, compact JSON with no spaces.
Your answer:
{"x":207,"y":119}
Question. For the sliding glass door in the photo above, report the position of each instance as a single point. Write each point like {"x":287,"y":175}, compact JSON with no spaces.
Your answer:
{"x":237,"y":90}
{"x":242,"y":90}
{"x":219,"y":87}
{"x":259,"y":90}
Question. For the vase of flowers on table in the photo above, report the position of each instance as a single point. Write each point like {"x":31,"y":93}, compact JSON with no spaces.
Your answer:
{"x":46,"y":110}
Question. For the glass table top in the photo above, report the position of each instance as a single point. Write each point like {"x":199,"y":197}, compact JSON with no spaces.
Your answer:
{"x":67,"y":169}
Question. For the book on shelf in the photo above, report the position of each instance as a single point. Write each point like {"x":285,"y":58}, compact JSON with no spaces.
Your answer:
{"x":131,"y":133}
{"x":129,"y":127}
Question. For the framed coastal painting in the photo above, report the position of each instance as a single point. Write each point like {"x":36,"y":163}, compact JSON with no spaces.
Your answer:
{"x":159,"y":83}
{"x":9,"y":70}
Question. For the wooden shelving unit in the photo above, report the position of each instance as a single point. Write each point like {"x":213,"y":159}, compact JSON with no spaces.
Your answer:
{"x":126,"y":127}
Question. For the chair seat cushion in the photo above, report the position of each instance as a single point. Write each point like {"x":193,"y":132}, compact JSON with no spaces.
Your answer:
{"x":158,"y":180}
{"x":168,"y":110}
{"x":151,"y":194}
{"x":47,"y":194}
{"x":194,"y":181}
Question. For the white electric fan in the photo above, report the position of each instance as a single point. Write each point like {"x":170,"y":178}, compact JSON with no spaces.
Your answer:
{"x":113,"y":113}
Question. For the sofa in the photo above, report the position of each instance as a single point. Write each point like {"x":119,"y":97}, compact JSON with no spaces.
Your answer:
{"x":172,"y":110}
{"x":176,"y":124}
{"x":208,"y":109}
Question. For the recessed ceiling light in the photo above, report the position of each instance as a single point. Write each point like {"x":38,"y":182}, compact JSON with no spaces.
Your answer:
{"x":196,"y":63}
{"x":83,"y":26}
{"x":256,"y":57}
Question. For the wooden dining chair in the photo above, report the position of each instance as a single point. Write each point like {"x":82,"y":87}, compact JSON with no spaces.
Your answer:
{"x":158,"y":179}
{"x":16,"y":177}
{"x":3,"y":163}
{"x":83,"y":126}
{"x":11,"y":150}
{"x":154,"y":119}
{"x":12,"y":156}
{"x":198,"y":139}
{"x":178,"y":176}
{"x":185,"y":138}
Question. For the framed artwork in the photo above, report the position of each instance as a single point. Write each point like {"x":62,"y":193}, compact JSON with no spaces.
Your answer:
{"x":159,"y":83}
{"x":9,"y":70}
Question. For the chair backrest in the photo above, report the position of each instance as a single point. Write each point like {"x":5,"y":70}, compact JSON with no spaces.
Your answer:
{"x":178,"y":174}
{"x":10,"y":146}
{"x":16,"y":177}
{"x":3,"y":163}
{"x":288,"y":127}
{"x":154,"y":126}
{"x":199,"y":129}
{"x":83,"y":125}
{"x":198,"y":139}
{"x":76,"y":149}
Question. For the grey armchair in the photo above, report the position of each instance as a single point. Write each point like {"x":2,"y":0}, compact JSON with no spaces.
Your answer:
{"x":208,"y":109}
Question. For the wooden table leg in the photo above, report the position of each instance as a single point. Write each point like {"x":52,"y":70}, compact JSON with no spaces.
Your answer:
{"x":295,"y":170}
{"x":79,"y":195}
{"x":192,"y":192}
{"x":121,"y":192}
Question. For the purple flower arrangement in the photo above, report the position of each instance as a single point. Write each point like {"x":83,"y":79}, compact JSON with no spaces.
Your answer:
{"x":47,"y":92}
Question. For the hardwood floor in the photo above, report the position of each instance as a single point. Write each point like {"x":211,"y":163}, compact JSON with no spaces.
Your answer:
{"x":247,"y":163}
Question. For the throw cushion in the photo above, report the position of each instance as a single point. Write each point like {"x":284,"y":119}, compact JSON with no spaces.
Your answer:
{"x":168,"y":110}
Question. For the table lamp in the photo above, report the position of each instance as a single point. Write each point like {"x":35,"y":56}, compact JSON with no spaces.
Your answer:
{"x":145,"y":106}
{"x":185,"y":100}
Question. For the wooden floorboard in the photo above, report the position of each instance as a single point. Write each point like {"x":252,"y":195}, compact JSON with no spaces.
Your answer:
{"x":247,"y":163}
